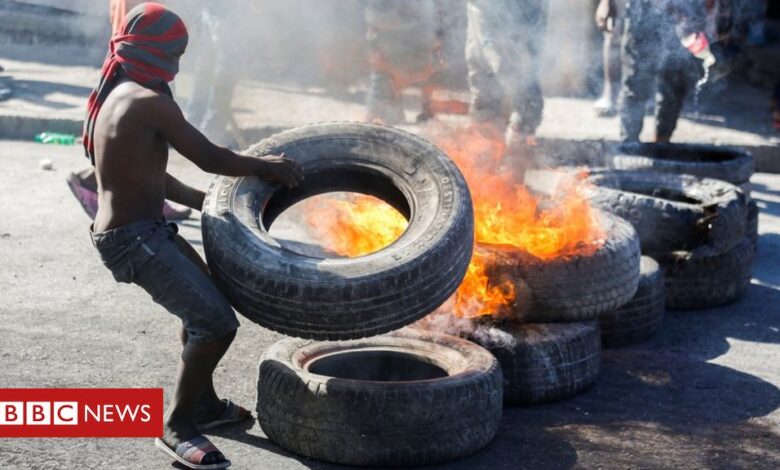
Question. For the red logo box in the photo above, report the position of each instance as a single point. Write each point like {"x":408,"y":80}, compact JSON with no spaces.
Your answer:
{"x":81,"y":412}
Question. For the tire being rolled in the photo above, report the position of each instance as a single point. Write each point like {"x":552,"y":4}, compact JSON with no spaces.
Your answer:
{"x":548,"y":362}
{"x":582,"y":287}
{"x":672,"y":212}
{"x":367,"y":415}
{"x":639,"y":319}
{"x":728,"y":164}
{"x":319,"y":298}
{"x":706,"y":277}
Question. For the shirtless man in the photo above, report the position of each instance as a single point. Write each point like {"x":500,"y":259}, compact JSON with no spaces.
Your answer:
{"x":131,"y":120}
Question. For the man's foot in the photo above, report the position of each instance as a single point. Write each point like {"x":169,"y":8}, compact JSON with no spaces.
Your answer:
{"x":604,"y":106}
{"x":186,"y":445}
{"x":220,"y":413}
{"x":197,"y":453}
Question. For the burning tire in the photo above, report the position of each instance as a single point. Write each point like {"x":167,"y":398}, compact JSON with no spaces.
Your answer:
{"x":673,"y":212}
{"x":342,"y":298}
{"x":752,"y":224}
{"x":706,"y":277}
{"x":582,"y":287}
{"x":407,"y":398}
{"x":707,"y":161}
{"x":639,"y":319}
{"x":548,"y":361}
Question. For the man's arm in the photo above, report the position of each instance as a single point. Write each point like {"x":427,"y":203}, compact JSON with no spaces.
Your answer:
{"x":165,"y":116}
{"x":177,"y":191}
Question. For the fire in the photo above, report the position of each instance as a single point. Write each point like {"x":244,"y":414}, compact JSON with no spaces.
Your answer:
{"x":478,"y":295}
{"x":505,"y":213}
{"x":355,"y":224}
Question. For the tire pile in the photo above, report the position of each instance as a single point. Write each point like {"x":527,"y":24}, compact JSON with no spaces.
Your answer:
{"x":413,"y":397}
{"x":399,"y":399}
{"x":555,"y":350}
{"x":691,"y":208}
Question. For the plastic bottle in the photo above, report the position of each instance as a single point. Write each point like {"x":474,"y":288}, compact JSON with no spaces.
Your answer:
{"x":55,"y":138}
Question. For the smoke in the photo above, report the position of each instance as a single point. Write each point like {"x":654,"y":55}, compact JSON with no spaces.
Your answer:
{"x":484,"y":332}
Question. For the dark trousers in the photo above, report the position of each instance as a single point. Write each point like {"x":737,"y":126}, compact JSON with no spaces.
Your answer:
{"x":653,"y":58}
{"x":503,"y":53}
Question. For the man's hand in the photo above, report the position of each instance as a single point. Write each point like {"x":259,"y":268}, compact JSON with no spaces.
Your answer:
{"x":279,"y":169}
{"x":604,"y":12}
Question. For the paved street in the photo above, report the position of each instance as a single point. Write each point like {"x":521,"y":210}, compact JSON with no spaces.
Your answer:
{"x":704,"y":393}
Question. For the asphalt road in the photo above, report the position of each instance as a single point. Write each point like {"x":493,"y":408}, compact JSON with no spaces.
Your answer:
{"x":703,"y":394}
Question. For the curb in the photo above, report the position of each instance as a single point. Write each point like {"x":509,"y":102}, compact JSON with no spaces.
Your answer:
{"x":14,"y":127}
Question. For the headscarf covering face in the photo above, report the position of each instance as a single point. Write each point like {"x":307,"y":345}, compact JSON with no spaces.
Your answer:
{"x":147,"y":50}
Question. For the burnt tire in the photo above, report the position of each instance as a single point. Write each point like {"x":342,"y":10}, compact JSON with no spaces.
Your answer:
{"x":548,"y":362}
{"x":363,"y":420}
{"x":582,"y":287}
{"x":639,"y":319}
{"x":706,"y":161}
{"x":705,"y":277}
{"x":320,"y":298}
{"x":673,"y":212}
{"x":752,"y":224}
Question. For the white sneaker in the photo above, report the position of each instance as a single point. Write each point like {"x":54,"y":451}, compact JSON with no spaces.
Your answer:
{"x":604,"y":107}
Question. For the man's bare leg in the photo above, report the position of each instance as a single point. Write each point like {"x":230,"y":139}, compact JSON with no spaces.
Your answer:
{"x":198,"y":361}
{"x":210,"y":406}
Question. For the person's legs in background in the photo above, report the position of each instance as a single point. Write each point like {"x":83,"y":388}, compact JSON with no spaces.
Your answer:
{"x":639,"y":64}
{"x":677,"y":76}
{"x":607,"y":103}
{"x":487,"y":93}
{"x":522,"y":80}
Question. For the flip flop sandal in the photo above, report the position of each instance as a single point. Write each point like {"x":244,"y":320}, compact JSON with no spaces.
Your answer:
{"x":190,"y":453}
{"x":232,"y":414}
{"x":88,"y":199}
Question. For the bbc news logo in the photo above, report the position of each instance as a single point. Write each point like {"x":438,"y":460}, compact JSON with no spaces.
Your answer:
{"x":75,"y":412}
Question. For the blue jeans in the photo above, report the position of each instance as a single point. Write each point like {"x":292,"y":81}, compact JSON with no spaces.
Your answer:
{"x":145,"y":253}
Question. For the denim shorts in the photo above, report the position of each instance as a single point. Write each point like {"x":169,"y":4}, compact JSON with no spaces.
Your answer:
{"x":145,"y":253}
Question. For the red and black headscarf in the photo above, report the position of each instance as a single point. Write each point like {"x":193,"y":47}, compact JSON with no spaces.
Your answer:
{"x":147,"y":50}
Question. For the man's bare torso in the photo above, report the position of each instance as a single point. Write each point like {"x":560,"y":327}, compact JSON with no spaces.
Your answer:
{"x":130,"y":158}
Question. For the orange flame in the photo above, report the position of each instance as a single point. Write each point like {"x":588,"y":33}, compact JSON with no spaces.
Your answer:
{"x":505,"y":213}
{"x":355,"y":224}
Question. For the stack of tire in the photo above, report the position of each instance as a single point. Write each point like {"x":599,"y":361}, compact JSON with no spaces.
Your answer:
{"x":690,"y":207}
{"x":407,"y":398}
{"x":556,"y":347}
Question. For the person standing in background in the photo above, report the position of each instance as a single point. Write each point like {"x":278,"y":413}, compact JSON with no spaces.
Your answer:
{"x":402,"y":50}
{"x":503,"y":51}
{"x":653,"y":53}
{"x":83,"y":184}
{"x":609,"y":20}
{"x":218,"y":69}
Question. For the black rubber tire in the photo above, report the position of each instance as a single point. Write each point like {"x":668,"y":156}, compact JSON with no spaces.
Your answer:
{"x":342,"y":298}
{"x":581,"y":288}
{"x":672,"y":212}
{"x":363,"y":422}
{"x":548,"y":361}
{"x":752,"y":224}
{"x":640,"y":319}
{"x":706,"y":161}
{"x":706,"y":277}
